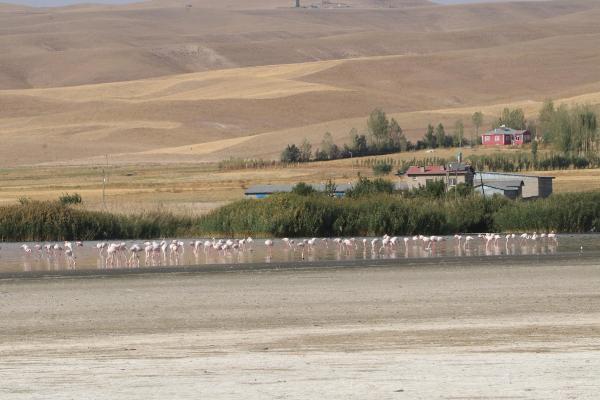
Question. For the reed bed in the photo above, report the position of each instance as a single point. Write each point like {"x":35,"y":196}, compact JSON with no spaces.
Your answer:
{"x":306,"y":216}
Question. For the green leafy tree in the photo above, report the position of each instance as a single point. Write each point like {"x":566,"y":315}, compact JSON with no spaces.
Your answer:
{"x":459,"y":131}
{"x":440,"y":135}
{"x":321,"y":155}
{"x":378,"y":125}
{"x":291,"y":154}
{"x":429,"y":138}
{"x":534,"y":150}
{"x":359,"y":146}
{"x":571,"y":130}
{"x":546,"y":119}
{"x":327,"y":143}
{"x":305,"y":151}
{"x":394,"y":135}
{"x":477,"y":119}
{"x":514,"y":119}
{"x":403,"y":143}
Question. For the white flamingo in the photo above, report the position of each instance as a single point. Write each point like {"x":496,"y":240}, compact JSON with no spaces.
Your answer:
{"x":269,"y":244}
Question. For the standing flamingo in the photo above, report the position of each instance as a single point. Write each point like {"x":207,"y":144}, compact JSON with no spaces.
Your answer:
{"x":269,"y":244}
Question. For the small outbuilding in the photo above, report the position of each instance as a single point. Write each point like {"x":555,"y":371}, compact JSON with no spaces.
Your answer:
{"x":531,"y":186}
{"x":513,"y":189}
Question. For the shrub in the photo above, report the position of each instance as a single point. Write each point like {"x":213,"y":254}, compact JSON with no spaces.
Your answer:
{"x":366,"y":187}
{"x":382,"y":168}
{"x":303,"y":189}
{"x":67,"y":199}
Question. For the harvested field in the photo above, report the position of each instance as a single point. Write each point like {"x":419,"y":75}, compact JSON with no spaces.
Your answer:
{"x":164,"y":82}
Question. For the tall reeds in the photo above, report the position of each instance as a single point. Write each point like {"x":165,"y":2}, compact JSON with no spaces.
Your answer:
{"x":313,"y":215}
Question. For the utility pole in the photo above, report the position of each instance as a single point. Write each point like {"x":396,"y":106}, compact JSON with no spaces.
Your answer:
{"x":104,"y":172}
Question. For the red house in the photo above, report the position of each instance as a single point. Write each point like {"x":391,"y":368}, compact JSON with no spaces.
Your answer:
{"x":504,"y":136}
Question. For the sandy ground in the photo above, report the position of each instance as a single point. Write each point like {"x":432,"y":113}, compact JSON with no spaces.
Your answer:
{"x":458,"y":332}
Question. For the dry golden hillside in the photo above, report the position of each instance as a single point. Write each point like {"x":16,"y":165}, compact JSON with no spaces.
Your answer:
{"x":163,"y":81}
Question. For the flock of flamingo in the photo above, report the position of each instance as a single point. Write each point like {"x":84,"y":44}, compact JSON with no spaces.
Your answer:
{"x":164,"y":253}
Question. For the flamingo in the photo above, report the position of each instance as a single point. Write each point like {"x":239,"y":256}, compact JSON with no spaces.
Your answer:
{"x":70,"y":256}
{"x":269,"y":244}
{"x":468,"y":240}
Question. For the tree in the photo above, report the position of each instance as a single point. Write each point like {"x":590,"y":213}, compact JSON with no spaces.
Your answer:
{"x":321,"y":155}
{"x":334,"y":152}
{"x":378,"y":125}
{"x":534,"y":150}
{"x":514,"y":119}
{"x":403,"y":143}
{"x":290,"y":154}
{"x":429,"y":138}
{"x":305,"y":151}
{"x":359,"y":146}
{"x":440,"y":135}
{"x":532,"y":128}
{"x":395,"y":135}
{"x":459,"y":131}
{"x":477,"y":119}
{"x":327,"y":143}
{"x":571,"y":130}
{"x":545,"y":119}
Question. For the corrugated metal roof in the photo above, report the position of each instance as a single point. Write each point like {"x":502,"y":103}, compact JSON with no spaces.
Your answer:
{"x":508,"y":175}
{"x":501,"y":185}
{"x":438,"y":169}
{"x":505,"y":131}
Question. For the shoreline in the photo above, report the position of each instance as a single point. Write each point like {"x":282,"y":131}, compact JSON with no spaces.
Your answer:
{"x":585,"y":258}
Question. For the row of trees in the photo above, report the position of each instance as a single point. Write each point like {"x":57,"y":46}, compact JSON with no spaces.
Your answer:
{"x":570,"y":130}
{"x":437,"y":137}
{"x":383,"y":136}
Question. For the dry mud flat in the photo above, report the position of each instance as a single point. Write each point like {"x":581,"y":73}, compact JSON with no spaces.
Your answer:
{"x":453,"y":332}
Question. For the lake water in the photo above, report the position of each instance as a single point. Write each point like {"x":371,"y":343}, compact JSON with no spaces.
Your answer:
{"x":14,"y":259}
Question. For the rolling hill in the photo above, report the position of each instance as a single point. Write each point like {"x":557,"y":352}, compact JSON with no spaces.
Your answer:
{"x":204,"y":80}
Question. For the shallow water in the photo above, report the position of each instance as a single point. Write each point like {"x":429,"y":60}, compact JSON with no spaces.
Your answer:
{"x":14,"y":259}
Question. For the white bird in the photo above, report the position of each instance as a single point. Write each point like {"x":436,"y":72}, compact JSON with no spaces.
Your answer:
{"x":70,"y":257}
{"x":269,"y":244}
